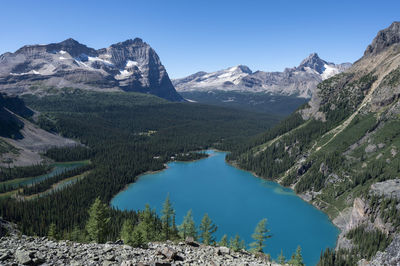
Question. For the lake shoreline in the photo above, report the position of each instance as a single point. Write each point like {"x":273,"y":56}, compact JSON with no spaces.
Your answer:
{"x":158,"y":171}
{"x":188,"y":182}
{"x":299,"y":195}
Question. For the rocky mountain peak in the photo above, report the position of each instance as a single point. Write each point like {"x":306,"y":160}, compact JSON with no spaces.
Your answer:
{"x":130,"y":42}
{"x":241,"y":68}
{"x":313,"y":61}
{"x":384,"y":39}
{"x":71,"y":46}
{"x":131,"y":65}
{"x":70,"y":42}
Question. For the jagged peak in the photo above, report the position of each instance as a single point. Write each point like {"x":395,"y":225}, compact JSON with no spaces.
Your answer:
{"x":130,"y":42}
{"x":385,"y":38}
{"x":314,"y":62}
{"x":313,"y":57}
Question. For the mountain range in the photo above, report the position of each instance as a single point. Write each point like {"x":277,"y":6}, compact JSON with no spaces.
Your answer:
{"x":297,"y":81}
{"x":131,"y":65}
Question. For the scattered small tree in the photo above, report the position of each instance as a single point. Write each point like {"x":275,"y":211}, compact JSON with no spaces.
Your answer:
{"x":98,"y":224}
{"x":236,"y":244}
{"x":76,"y":234}
{"x":137,"y":239}
{"x":188,"y":227}
{"x":281,"y":258}
{"x":260,"y":235}
{"x":149,"y":224}
{"x":168,"y":219}
{"x":224,"y":241}
{"x":297,"y":258}
{"x":126,"y":232}
{"x":52,"y":234}
{"x":207,"y":229}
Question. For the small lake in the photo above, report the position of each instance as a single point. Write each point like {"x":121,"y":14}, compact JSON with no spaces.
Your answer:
{"x":236,"y":201}
{"x":57,"y":169}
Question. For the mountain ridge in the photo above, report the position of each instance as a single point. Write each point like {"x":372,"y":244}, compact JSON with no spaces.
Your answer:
{"x":298,"y":81}
{"x":131,"y":65}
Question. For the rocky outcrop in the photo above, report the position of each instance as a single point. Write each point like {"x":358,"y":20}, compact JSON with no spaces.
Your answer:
{"x":391,"y":255}
{"x":359,"y":214}
{"x":131,"y":66}
{"x":384,"y":39}
{"x":388,"y":188}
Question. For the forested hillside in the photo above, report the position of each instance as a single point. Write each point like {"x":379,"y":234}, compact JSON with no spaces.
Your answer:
{"x":339,"y":151}
{"x":123,"y":135}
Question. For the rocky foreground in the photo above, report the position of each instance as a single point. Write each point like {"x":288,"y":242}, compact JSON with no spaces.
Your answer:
{"x":24,"y":250}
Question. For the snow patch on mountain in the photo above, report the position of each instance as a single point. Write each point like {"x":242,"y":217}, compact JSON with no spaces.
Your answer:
{"x":299,"y":81}
{"x":329,"y":71}
{"x":131,"y":63}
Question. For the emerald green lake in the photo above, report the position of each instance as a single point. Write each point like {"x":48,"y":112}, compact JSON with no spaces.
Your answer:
{"x":236,"y":201}
{"x":58,"y":168}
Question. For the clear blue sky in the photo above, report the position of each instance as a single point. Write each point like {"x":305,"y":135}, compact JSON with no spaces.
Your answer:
{"x":194,"y":35}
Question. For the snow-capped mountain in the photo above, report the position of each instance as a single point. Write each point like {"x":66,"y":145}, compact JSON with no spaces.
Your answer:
{"x":299,"y":81}
{"x":131,"y":66}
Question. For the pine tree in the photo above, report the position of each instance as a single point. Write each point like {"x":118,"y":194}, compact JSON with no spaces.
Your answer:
{"x":281,"y":258}
{"x":76,"y":234}
{"x":168,"y":219}
{"x":188,"y":227}
{"x":260,"y":235}
{"x":52,"y":232}
{"x":235,"y":244}
{"x":126,"y":232}
{"x":242,"y":244}
{"x":98,"y":223}
{"x":224,"y":241}
{"x":297,"y":258}
{"x":137,"y":238}
{"x":148,"y":224}
{"x":207,"y":229}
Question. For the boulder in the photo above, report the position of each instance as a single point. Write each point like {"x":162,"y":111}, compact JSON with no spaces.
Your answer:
{"x":190,"y":241}
{"x":171,"y":254}
{"x":223,"y":251}
{"x":23,"y":257}
{"x":370,"y":148}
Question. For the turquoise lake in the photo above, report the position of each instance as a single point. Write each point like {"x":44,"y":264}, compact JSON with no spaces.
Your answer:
{"x":236,"y":201}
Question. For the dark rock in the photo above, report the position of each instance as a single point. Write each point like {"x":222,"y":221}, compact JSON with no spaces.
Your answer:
{"x":384,"y":39}
{"x":190,"y":241}
{"x":303,"y":168}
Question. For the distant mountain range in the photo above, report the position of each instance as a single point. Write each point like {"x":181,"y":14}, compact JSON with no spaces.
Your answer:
{"x":297,"y":81}
{"x":131,"y":65}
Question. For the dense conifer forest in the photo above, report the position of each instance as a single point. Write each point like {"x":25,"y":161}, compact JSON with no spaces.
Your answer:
{"x":123,"y":135}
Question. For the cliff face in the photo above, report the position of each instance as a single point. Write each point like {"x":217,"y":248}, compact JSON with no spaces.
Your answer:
{"x":131,"y":65}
